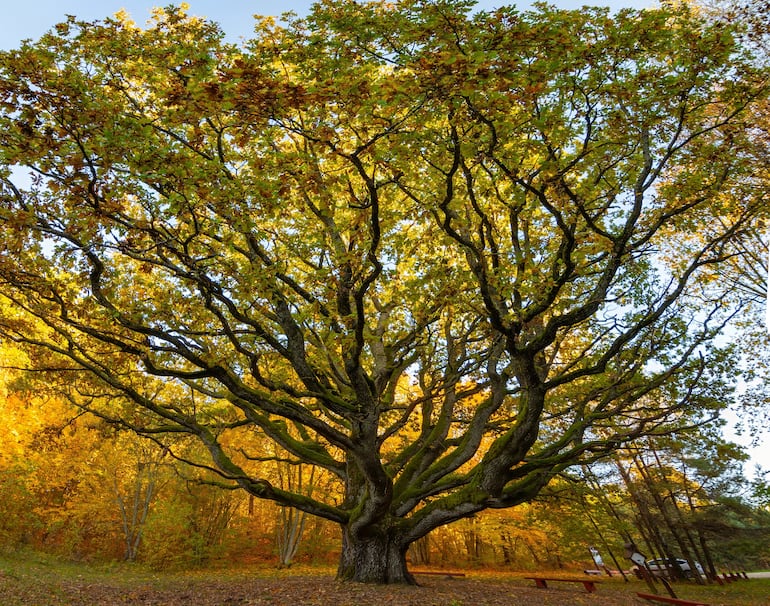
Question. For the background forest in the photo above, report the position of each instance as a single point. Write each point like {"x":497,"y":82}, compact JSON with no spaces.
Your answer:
{"x":76,"y":487}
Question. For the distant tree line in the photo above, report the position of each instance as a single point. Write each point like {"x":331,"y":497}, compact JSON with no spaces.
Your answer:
{"x":75,"y":486}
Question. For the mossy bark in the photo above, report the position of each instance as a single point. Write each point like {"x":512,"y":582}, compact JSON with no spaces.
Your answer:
{"x":378,"y":557}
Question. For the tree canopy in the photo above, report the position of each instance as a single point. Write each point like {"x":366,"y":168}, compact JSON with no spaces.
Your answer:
{"x":439,"y":254}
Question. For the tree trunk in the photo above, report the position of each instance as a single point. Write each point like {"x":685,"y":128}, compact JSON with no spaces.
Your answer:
{"x":689,"y":547}
{"x":289,"y":534}
{"x":674,"y":530}
{"x":420,"y":551}
{"x":377,"y":557}
{"x":505,"y":546}
{"x":646,"y":525}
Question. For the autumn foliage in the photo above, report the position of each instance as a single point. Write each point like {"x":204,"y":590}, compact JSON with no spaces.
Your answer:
{"x":426,"y":258}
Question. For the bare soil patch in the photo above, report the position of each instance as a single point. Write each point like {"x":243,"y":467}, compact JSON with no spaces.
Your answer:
{"x":42,"y":581}
{"x":302,"y":591}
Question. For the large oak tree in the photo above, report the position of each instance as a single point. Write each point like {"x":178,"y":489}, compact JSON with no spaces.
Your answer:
{"x":441,"y":255}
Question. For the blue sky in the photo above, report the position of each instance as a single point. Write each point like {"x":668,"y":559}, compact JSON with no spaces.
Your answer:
{"x":32,"y":18}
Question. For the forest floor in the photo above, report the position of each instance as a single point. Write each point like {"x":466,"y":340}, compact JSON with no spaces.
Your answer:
{"x":45,"y":584}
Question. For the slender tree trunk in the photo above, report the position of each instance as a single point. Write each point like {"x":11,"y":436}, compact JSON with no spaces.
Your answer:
{"x":133,"y":517}
{"x":711,"y":570}
{"x":472,"y":540}
{"x":603,"y":541}
{"x":622,"y":521}
{"x":608,"y":507}
{"x":690,"y":554}
{"x":646,"y":525}
{"x":420,"y":551}
{"x":292,"y":525}
{"x":666,"y":514}
{"x":533,"y":552}
{"x":505,"y":542}
{"x":291,"y":522}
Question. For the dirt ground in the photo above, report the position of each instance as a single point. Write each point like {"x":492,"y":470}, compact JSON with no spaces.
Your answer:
{"x":309,"y":591}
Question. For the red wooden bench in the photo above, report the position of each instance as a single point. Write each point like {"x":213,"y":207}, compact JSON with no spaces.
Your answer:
{"x":667,"y":600}
{"x":542,"y":582}
{"x":441,"y":573}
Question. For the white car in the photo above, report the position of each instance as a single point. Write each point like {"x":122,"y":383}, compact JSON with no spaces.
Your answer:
{"x":661,"y":567}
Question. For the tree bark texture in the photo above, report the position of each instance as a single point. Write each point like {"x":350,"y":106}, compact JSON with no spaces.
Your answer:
{"x":379,"y":557}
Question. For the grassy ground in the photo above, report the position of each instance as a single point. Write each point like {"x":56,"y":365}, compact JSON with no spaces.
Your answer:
{"x":42,"y":581}
{"x":751,"y":592}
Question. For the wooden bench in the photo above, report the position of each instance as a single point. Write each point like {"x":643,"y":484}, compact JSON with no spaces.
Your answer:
{"x":667,"y":600}
{"x":542,"y":582}
{"x":440,"y":573}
